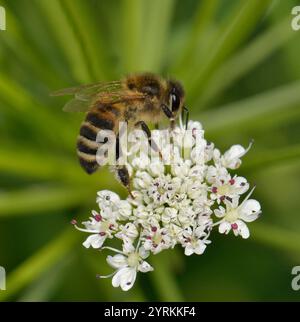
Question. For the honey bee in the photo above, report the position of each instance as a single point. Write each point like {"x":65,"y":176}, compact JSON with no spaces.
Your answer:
{"x":136,"y":100}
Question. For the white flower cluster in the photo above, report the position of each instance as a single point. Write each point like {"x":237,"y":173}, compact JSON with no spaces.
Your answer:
{"x":178,"y":199}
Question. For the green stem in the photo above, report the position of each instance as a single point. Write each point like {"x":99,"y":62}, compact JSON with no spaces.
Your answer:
{"x":164,"y":279}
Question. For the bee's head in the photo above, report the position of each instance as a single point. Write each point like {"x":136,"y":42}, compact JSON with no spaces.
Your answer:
{"x":176,"y":96}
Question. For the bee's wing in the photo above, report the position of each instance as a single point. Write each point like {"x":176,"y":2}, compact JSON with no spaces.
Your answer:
{"x":84,"y":95}
{"x":119,"y":96}
{"x":80,"y":105}
{"x":89,"y":89}
{"x":75,"y":105}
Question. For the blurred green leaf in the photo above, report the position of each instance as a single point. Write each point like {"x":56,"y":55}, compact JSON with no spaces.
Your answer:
{"x":15,"y":39}
{"x":90,"y":40}
{"x":39,"y":165}
{"x":238,"y":27}
{"x":66,"y":38}
{"x":203,"y":18}
{"x":279,"y":238}
{"x":42,"y":288}
{"x":246,"y":113}
{"x":245,"y":60}
{"x":272,"y":158}
{"x":132,"y":26}
{"x":17,"y":100}
{"x":38,"y":263}
{"x":156,"y":26}
{"x":40,"y":199}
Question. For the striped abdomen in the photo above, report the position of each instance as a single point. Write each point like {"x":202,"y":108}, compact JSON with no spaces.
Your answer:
{"x":101,"y":117}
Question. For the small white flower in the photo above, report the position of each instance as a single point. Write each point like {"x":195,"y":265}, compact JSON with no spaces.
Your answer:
{"x":128,"y":231}
{"x":142,"y":180}
{"x":99,"y":228}
{"x":127,"y":265}
{"x":181,"y":168}
{"x":169,"y":215}
{"x":186,"y":216}
{"x":162,"y":189}
{"x":232,"y":158}
{"x":228,"y":188}
{"x":204,"y":221}
{"x":197,"y":172}
{"x":192,"y":242}
{"x":235,"y":216}
{"x":157,"y":239}
{"x":216,"y":173}
{"x":156,"y":169}
{"x":107,"y":198}
{"x":124,"y":209}
{"x":196,"y":189}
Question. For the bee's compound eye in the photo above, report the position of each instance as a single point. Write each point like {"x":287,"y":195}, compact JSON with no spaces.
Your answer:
{"x":175,"y":102}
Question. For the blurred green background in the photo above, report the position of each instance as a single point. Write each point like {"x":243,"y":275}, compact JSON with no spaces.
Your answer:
{"x":239,"y":62}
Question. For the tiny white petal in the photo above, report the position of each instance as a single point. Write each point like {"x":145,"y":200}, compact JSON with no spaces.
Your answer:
{"x":145,"y":267}
{"x":200,"y":248}
{"x":241,"y":185}
{"x":127,"y":245}
{"x":224,"y":227}
{"x":194,"y":125}
{"x":143,"y":252}
{"x":156,"y":169}
{"x":220,"y":212}
{"x":243,"y":229}
{"x":236,"y":151}
{"x":95,"y":240}
{"x":127,"y":278}
{"x":117,"y":261}
{"x":189,"y":250}
{"x":231,"y":158}
{"x":124,"y":209}
{"x":250,"y":210}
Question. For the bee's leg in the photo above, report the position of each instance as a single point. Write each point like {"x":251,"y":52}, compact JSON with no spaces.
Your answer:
{"x":122,"y":171}
{"x":118,"y":148}
{"x":124,"y":177}
{"x":120,"y":134}
{"x":147,"y":131}
{"x":169,"y":115}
